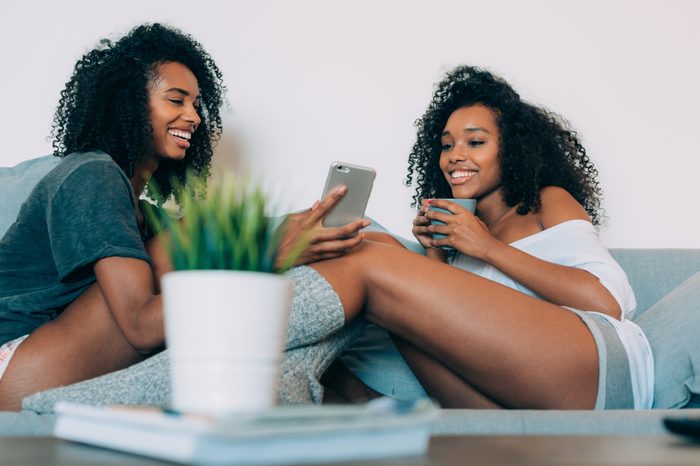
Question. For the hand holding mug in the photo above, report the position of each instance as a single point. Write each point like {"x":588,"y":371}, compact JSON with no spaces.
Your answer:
{"x":420,"y":226}
{"x":454,"y":226}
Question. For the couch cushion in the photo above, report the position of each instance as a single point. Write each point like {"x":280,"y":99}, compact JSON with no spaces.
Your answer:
{"x":16,"y":183}
{"x":673,"y":328}
{"x":653,"y":273}
{"x":26,"y":424}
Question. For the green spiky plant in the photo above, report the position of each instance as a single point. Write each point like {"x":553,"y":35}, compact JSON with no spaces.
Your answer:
{"x":226,"y":229}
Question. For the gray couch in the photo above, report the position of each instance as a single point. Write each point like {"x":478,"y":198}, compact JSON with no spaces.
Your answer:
{"x":666,"y":283}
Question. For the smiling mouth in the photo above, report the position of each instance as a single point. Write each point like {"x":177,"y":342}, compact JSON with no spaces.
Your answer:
{"x":184,"y":135}
{"x":182,"y":138}
{"x":461,"y":176}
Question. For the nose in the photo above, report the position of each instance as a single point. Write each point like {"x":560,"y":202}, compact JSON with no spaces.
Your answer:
{"x":192,"y":116}
{"x":459,"y":153}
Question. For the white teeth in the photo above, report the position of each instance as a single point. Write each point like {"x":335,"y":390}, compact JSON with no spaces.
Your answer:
{"x":462,"y":174}
{"x":180,"y":134}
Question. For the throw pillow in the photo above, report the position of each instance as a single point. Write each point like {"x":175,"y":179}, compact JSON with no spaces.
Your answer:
{"x":672,"y":326}
{"x":16,"y":183}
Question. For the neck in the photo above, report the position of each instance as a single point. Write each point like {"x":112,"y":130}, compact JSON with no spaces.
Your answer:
{"x":492,"y":208}
{"x":143,"y":171}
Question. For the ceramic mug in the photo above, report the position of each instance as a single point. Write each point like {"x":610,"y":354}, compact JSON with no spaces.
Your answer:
{"x":469,"y":204}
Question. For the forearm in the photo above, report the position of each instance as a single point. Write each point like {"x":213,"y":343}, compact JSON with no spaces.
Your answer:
{"x":135,"y":303}
{"x":160,"y":261}
{"x":558,"y":284}
{"x":146,"y":330}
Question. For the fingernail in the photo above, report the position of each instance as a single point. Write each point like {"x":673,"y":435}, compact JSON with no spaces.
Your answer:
{"x":366,"y":223}
{"x":429,"y":201}
{"x":340,"y":189}
{"x":315,"y":205}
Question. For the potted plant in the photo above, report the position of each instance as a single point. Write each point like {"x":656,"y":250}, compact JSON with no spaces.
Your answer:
{"x":226,"y":305}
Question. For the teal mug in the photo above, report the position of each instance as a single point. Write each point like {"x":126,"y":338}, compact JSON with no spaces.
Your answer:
{"x":469,"y":204}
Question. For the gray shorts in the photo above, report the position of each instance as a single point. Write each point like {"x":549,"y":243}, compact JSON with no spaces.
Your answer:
{"x":614,"y":379}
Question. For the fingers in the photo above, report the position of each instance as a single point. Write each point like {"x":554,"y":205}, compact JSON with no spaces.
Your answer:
{"x":325,"y":205}
{"x":439,"y":216}
{"x":447,"y":205}
{"x":338,"y":245}
{"x":329,"y":249}
{"x":336,"y":233}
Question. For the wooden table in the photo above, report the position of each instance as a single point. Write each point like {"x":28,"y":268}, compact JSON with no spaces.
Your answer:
{"x":467,"y":450}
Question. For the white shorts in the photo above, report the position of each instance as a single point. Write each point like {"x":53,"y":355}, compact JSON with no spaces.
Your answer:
{"x":7,"y":351}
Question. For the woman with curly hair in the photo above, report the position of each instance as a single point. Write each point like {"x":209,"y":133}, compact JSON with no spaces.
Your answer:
{"x":79,"y":269}
{"x":528,"y":309}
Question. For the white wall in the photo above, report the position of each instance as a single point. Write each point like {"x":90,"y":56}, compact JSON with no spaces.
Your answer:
{"x":312,"y":81}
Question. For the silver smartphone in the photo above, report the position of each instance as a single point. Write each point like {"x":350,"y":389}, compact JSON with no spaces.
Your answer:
{"x":352,"y":206}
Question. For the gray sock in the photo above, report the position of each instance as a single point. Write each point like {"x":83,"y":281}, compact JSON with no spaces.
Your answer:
{"x":146,"y":383}
{"x":316,"y":336}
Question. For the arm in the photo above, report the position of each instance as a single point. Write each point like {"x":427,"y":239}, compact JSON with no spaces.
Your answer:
{"x":129,"y":290}
{"x":91,"y":224}
{"x":558,"y":284}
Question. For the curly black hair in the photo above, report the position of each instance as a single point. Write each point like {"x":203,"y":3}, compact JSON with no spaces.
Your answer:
{"x":537,"y":147}
{"x":105,"y":103}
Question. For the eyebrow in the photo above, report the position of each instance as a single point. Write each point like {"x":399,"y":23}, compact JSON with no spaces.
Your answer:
{"x":180,"y":91}
{"x":469,"y":129}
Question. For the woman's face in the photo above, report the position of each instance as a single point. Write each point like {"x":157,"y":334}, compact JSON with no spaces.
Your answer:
{"x":469,"y":159}
{"x":173,"y":99}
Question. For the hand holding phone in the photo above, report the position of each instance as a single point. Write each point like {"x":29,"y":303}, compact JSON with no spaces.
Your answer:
{"x":351,"y":207}
{"x":326,"y":242}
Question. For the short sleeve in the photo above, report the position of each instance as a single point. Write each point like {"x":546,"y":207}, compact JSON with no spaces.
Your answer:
{"x":92,"y":216}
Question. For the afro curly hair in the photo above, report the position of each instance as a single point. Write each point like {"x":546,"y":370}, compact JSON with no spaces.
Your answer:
{"x":104,"y":105}
{"x":537,"y":147}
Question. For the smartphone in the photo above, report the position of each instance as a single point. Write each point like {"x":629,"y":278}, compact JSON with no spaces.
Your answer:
{"x":352,"y":206}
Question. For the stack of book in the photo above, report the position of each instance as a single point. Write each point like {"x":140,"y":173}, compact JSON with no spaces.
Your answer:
{"x":382,"y":428}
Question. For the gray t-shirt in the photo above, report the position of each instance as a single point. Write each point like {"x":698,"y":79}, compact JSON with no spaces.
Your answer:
{"x":80,"y":212}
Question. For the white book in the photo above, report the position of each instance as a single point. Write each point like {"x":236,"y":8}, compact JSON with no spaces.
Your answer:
{"x":382,"y":428}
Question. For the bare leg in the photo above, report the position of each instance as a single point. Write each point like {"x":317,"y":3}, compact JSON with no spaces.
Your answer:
{"x":342,"y":386}
{"x":441,"y":384}
{"x":83,"y":342}
{"x":516,"y":350}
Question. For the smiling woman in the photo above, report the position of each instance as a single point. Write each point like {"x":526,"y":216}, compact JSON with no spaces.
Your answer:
{"x":529,"y":310}
{"x":77,"y":290}
{"x":80,"y":268}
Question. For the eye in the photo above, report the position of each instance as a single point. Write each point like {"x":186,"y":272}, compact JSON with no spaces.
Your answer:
{"x":476,"y":143}
{"x":445,"y":146}
{"x":176,"y":101}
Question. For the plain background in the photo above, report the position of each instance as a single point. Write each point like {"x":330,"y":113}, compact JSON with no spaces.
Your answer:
{"x":313,"y":81}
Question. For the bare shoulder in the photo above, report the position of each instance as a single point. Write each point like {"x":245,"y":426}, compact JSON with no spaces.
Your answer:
{"x":559,"y":206}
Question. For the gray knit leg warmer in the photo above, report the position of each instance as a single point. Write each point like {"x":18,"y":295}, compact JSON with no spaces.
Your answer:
{"x":316,"y":336}
{"x":146,"y":383}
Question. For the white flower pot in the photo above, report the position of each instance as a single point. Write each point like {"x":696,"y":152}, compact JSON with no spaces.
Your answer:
{"x":225,"y":332}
